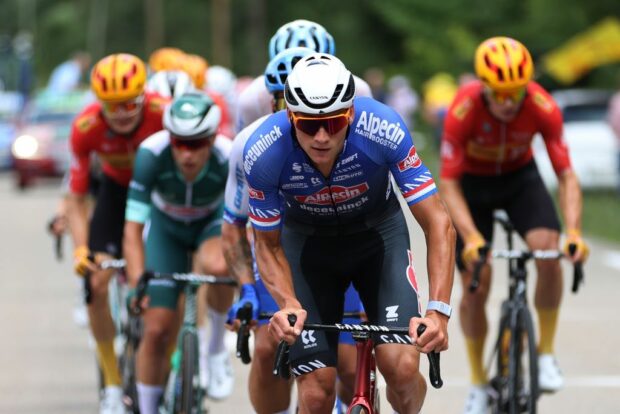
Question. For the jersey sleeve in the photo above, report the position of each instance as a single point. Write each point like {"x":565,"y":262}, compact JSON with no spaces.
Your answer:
{"x":362,"y":88}
{"x":262,"y":163}
{"x":145,"y":168}
{"x":414,"y":179}
{"x":457,"y":124}
{"x":236,"y":195}
{"x":80,"y":160}
{"x":551,"y":128}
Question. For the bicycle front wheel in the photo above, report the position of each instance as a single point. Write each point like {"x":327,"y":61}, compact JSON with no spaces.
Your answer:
{"x":523,"y":366}
{"x":359,"y":409}
{"x":189,"y":372}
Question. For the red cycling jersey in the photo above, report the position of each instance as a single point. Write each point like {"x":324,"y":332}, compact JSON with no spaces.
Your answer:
{"x":475,"y":142}
{"x":90,"y":133}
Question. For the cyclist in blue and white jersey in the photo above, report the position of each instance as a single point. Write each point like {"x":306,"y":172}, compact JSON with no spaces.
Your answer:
{"x":329,"y":157}
{"x":255,"y":101}
{"x":239,"y":259}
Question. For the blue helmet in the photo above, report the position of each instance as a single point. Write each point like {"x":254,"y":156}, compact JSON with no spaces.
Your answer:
{"x":302,"y":33}
{"x":281,"y":65}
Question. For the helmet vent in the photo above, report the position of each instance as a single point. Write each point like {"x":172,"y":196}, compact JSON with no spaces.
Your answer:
{"x":350,"y":91}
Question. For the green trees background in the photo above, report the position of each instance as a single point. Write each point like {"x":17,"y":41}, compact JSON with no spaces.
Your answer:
{"x":414,"y":37}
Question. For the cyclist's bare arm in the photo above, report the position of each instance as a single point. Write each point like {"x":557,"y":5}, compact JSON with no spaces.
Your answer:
{"x":78,"y":212}
{"x":452,"y":193}
{"x":440,"y":236}
{"x":276,"y":274}
{"x":133,"y":251}
{"x":569,"y":192}
{"x":237,"y":252}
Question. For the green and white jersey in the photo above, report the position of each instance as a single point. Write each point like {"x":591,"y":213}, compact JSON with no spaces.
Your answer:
{"x":157,"y":182}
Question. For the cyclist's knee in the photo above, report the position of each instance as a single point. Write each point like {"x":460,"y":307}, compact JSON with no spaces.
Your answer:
{"x":398,"y":366}
{"x":264,"y":350}
{"x":317,"y":390}
{"x":156,"y":334}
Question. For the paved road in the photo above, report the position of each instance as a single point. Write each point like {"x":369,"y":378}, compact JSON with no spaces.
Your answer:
{"x":46,"y":365}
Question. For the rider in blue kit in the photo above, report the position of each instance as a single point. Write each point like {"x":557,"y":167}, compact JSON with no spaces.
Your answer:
{"x":330,"y":157}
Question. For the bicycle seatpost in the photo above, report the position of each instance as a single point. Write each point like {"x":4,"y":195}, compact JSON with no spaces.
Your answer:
{"x":244,"y":314}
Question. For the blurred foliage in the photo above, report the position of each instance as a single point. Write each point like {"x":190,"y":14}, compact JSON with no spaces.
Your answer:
{"x":414,"y":37}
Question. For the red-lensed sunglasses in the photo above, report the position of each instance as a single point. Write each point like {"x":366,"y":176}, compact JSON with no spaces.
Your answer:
{"x":312,"y":124}
{"x":189,"y":144}
{"x":125,"y":107}
{"x":502,"y":96}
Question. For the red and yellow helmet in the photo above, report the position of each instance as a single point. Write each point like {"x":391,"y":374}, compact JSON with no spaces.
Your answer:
{"x":119,"y":77}
{"x":503,"y":64}
{"x":166,"y":58}
{"x":196,"y":67}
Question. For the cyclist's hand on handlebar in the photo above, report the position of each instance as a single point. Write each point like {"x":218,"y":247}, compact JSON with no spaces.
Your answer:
{"x":281,"y":329}
{"x":573,"y":237}
{"x":435,"y":337}
{"x":83,"y":261}
{"x":471,"y":250}
{"x":248,"y":294}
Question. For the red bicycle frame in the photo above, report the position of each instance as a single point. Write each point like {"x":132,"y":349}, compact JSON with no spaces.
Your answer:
{"x":365,"y":392}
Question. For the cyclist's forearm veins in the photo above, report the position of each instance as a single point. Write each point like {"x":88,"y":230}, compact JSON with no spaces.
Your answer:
{"x":275,"y":273}
{"x":77,"y":215}
{"x":569,"y":193}
{"x":133,"y":251}
{"x":237,"y":252}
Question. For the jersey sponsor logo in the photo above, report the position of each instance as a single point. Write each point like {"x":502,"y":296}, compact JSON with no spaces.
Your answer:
{"x":296,"y":167}
{"x":391,"y":313}
{"x":334,"y":194}
{"x":542,"y":102}
{"x":340,"y":208}
{"x":348,"y":159}
{"x":412,"y":160}
{"x":256,"y":194}
{"x":296,"y":177}
{"x":315,"y":181}
{"x":86,"y":122}
{"x":240,"y":186}
{"x":307,"y":367}
{"x":289,"y":186}
{"x":379,"y":130}
{"x":462,"y":108}
{"x":260,"y":146}
{"x":347,"y":176}
{"x":308,"y":339}
{"x":347,"y":168}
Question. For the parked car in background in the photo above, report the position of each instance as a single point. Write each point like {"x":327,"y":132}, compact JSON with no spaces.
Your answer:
{"x":41,"y":146}
{"x":10,"y":106}
{"x":591,"y":141}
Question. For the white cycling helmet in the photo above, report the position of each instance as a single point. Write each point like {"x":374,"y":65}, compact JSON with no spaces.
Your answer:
{"x":319,"y":84}
{"x":170,"y":83}
{"x":193,"y":115}
{"x":221,"y":80}
{"x":302,"y":33}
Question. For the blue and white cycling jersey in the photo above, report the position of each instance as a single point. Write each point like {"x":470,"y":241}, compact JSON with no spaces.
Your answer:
{"x":358,"y":187}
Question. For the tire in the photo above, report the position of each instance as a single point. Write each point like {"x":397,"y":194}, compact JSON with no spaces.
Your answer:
{"x":358,"y":409}
{"x":128,"y":365}
{"x":499,"y":373}
{"x":523,"y":370}
{"x":189,"y":363}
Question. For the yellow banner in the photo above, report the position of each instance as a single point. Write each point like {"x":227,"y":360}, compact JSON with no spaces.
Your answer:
{"x":597,"y":46}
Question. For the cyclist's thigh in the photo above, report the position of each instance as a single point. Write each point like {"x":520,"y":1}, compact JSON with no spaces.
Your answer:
{"x":108,"y":219}
{"x":319,"y":287}
{"x":386,"y":279}
{"x":164,"y":253}
{"x":531,"y":207}
{"x":209,"y":245}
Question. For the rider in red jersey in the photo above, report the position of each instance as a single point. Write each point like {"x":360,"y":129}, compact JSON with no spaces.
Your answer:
{"x":487,"y":164}
{"x":111,"y":128}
